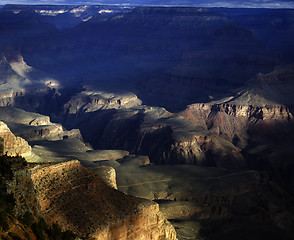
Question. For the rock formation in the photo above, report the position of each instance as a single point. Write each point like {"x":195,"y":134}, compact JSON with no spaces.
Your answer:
{"x":189,"y":196}
{"x":215,"y":135}
{"x":22,"y":188}
{"x":142,"y":130}
{"x":194,"y":70}
{"x":77,"y":199}
{"x":95,"y":76}
{"x":33,"y":126}
{"x":13,"y":146}
{"x":108,"y":175}
{"x":91,"y":101}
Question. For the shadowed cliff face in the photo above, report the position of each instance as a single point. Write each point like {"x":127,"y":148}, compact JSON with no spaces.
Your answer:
{"x":102,"y":75}
{"x":195,"y":198}
{"x":149,"y":51}
{"x":189,"y":54}
{"x":168,"y":57}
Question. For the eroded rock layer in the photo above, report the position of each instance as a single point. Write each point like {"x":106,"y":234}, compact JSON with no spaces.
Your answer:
{"x":78,"y":200}
{"x":33,"y":126}
{"x":13,"y":146}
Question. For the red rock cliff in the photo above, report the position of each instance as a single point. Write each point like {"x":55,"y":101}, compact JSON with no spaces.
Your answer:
{"x":78,"y":200}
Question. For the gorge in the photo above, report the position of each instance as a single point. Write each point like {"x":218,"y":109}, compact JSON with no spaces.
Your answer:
{"x":150,"y":122}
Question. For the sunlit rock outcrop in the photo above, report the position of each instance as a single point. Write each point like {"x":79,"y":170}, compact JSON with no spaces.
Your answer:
{"x":78,"y":200}
{"x":33,"y":126}
{"x":90,"y":101}
{"x":13,"y":146}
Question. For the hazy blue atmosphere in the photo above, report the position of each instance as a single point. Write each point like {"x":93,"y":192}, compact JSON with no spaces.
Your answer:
{"x":201,"y":3}
{"x":147,"y":119}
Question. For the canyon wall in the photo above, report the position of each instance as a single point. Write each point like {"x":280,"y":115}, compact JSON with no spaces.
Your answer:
{"x":33,"y":126}
{"x":78,"y":200}
{"x":22,"y":188}
{"x":13,"y":146}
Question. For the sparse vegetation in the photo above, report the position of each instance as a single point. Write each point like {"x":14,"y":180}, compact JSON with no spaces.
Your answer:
{"x":1,"y":146}
{"x":7,"y":203}
{"x":40,"y":229}
{"x":56,"y":233}
{"x":4,"y":221}
{"x":27,"y":219}
{"x":43,"y":231}
{"x":10,"y":164}
{"x":14,"y":236}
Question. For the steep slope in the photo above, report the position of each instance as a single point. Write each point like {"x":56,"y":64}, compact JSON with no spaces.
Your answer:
{"x":24,"y":86}
{"x":195,"y":198}
{"x":213,"y":134}
{"x":166,"y":57}
{"x":137,"y":128}
{"x":258,"y":120}
{"x":71,"y":195}
{"x":13,"y":146}
{"x":33,"y":126}
{"x":271,"y":89}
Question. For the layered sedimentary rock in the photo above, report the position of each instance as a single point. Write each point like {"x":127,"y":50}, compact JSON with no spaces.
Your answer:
{"x":169,"y":57}
{"x":234,"y":122}
{"x":233,"y":127}
{"x":219,"y":130}
{"x":215,"y":135}
{"x":90,"y":101}
{"x":16,"y":115}
{"x":255,"y":116}
{"x":151,"y":131}
{"x":33,"y":126}
{"x":194,"y":69}
{"x":163,"y":136}
{"x":25,"y":87}
{"x":13,"y":146}
{"x":78,"y":200}
{"x":19,"y":79}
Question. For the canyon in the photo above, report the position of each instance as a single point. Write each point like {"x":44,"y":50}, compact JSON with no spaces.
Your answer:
{"x":54,"y":192}
{"x":134,"y":118}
